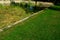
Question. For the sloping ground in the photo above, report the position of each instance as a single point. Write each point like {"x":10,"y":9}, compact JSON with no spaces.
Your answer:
{"x":45,"y":26}
{"x":11,"y":14}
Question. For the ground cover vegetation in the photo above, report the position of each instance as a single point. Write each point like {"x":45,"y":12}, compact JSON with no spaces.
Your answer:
{"x":11,"y":14}
{"x":43,"y":26}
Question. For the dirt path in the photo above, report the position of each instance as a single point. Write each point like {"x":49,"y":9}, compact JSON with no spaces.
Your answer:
{"x":9,"y":26}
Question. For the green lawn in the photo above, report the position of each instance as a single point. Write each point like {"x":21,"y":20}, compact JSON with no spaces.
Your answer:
{"x":45,"y":26}
{"x":11,"y":14}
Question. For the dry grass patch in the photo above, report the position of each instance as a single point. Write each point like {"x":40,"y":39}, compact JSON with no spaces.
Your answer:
{"x":11,"y":14}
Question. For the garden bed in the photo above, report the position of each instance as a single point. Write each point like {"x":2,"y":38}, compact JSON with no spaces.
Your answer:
{"x":15,"y":11}
{"x":30,"y":8}
{"x":11,"y":14}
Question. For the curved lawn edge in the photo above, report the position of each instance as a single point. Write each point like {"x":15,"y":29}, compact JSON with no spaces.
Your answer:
{"x":9,"y":26}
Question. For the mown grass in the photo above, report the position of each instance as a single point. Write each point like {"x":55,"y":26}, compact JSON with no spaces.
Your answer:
{"x":45,"y":26}
{"x":11,"y":14}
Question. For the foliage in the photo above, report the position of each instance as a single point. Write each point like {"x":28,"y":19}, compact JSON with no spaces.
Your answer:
{"x":11,"y":14}
{"x":30,"y":8}
{"x":14,"y":4}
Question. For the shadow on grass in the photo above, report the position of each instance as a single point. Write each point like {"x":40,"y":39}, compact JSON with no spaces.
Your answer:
{"x":57,"y":8}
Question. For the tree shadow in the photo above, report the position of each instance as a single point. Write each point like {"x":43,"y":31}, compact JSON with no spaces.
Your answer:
{"x":55,"y":8}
